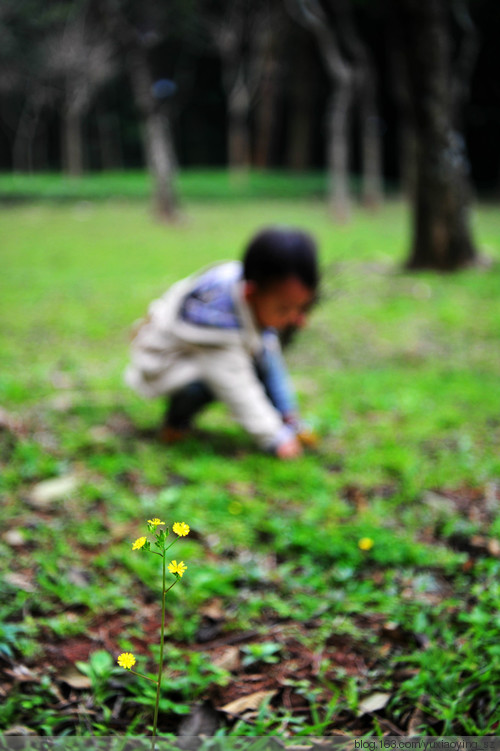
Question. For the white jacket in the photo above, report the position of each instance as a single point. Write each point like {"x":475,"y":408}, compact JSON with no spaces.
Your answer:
{"x":169,"y":352}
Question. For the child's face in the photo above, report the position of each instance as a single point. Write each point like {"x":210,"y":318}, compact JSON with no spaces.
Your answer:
{"x":282,"y":304}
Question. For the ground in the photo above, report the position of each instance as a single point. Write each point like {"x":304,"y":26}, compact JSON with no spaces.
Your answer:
{"x":282,"y":623}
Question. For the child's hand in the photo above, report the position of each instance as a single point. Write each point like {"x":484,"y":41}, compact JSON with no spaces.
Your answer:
{"x":289,"y":450}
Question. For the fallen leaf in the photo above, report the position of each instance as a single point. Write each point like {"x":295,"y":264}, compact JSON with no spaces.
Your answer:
{"x":249,"y":702}
{"x":228,"y":660}
{"x":20,"y":581}
{"x":22,"y":674}
{"x":72,"y":676}
{"x":417,"y":720}
{"x":494,"y":548}
{"x":122,"y":530}
{"x":48,"y":491}
{"x":439,"y":503}
{"x":373,"y":703}
{"x":19,"y":730}
{"x":14,"y":537}
{"x":478,"y":541}
{"x":213,"y":610}
{"x":78,"y":576}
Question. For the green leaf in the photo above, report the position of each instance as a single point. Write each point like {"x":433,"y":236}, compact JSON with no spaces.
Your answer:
{"x":101,"y":662}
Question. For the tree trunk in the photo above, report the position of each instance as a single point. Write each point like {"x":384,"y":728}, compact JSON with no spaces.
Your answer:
{"x":161,"y":163}
{"x":266,"y":113}
{"x":41,"y":159}
{"x":407,"y":141}
{"x":338,"y":151}
{"x":441,"y":232}
{"x":23,"y":156}
{"x":110,"y":146}
{"x":21,"y":139}
{"x":238,"y":126}
{"x":407,"y":158}
{"x":157,"y":141}
{"x":72,"y":142}
{"x":300,"y":128}
{"x":442,"y":238}
{"x":371,"y":147}
{"x":340,"y":72}
{"x":365,"y":83}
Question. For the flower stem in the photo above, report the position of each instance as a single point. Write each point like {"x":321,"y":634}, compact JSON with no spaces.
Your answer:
{"x":141,"y":675}
{"x":160,"y":666}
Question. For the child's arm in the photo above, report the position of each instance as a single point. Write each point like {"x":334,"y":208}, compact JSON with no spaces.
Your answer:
{"x":274,"y":374}
{"x":230,"y":374}
{"x":276,"y":381}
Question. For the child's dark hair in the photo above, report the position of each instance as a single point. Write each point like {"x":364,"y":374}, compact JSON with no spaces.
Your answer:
{"x":277,"y":253}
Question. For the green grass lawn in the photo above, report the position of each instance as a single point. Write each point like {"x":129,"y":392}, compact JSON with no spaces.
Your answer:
{"x":399,"y":376}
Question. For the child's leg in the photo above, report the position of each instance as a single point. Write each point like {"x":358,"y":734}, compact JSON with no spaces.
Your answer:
{"x":186,"y":403}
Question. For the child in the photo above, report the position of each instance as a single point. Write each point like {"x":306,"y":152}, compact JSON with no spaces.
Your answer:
{"x":214,"y":336}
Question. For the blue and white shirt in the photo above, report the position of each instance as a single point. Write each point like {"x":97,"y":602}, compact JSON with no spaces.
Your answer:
{"x":211,"y":303}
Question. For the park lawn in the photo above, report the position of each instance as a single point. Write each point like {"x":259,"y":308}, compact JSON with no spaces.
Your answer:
{"x":397,"y":373}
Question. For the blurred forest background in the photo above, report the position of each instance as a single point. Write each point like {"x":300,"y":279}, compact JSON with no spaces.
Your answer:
{"x":295,"y":84}
{"x":356,"y":590}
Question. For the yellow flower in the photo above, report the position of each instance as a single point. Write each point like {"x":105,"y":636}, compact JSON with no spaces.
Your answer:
{"x":126,"y":660}
{"x":181,"y":529}
{"x":139,"y":543}
{"x":155,"y":522}
{"x":366,"y":543}
{"x":177,"y":568}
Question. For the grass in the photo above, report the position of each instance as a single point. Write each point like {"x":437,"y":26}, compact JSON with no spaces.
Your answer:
{"x":210,"y":185}
{"x":398,"y":374}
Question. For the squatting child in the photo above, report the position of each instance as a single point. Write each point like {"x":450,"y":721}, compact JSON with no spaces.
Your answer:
{"x":215,"y":336}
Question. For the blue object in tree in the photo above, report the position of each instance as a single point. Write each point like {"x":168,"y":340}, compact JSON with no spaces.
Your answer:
{"x":164,"y":88}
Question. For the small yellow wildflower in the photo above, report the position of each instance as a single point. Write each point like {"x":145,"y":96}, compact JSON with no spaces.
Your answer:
{"x":155,"y":522}
{"x":366,"y":543}
{"x":181,"y":529}
{"x":177,"y":568}
{"x":139,"y":543}
{"x":126,"y":660}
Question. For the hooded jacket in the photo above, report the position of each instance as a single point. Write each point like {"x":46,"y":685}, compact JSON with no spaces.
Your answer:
{"x":202,"y":329}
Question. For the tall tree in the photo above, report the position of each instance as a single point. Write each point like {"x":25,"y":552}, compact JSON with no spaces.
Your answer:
{"x":51,"y":56}
{"x":241,"y":31}
{"x":270,"y":85}
{"x":312,"y":15}
{"x":79,"y":59}
{"x":353,"y":79}
{"x":301,"y":81}
{"x":365,"y":83}
{"x":407,"y":143}
{"x":442,"y":236}
{"x":23,"y":82}
{"x":139,"y":30}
